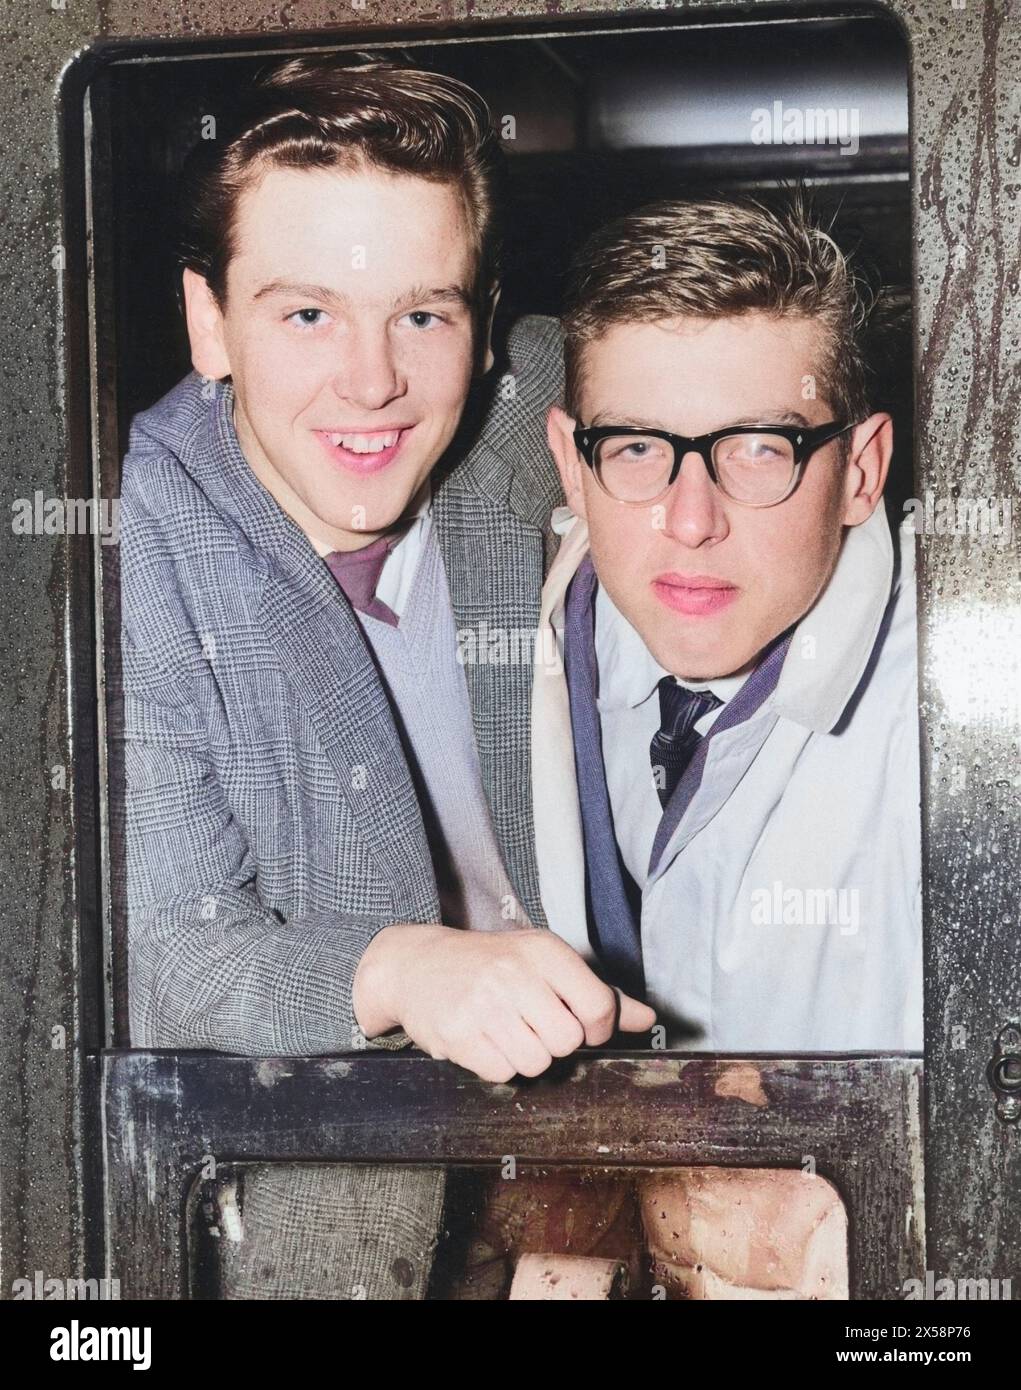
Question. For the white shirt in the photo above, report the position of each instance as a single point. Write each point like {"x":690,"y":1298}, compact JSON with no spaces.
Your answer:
{"x":785,"y":913}
{"x":398,"y":572}
{"x":628,"y":703}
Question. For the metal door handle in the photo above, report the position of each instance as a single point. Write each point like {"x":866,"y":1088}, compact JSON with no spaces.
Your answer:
{"x":1004,"y":1073}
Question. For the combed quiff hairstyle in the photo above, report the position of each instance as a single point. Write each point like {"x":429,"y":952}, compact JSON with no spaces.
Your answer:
{"x":720,"y":258}
{"x":315,"y":113}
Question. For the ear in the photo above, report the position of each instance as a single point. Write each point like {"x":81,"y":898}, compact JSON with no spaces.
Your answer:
{"x":867,"y":467}
{"x":205,"y":328}
{"x":560,"y":433}
{"x":484,"y":356}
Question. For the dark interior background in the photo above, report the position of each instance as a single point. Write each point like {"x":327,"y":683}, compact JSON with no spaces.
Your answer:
{"x":603,"y":122}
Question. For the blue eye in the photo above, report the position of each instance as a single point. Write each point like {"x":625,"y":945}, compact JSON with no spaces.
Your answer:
{"x":306,"y":318}
{"x":417,"y":316}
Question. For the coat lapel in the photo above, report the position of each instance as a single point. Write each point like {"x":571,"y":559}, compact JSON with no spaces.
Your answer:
{"x":558,"y":834}
{"x":728,"y":759}
{"x":326,"y":660}
{"x":494,"y":565}
{"x":722,"y":758}
{"x":335,"y":681}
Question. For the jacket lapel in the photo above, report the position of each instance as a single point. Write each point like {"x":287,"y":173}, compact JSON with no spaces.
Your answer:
{"x":336,"y":683}
{"x":325,"y":658}
{"x":614,"y":899}
{"x":494,"y":565}
{"x":558,"y":834}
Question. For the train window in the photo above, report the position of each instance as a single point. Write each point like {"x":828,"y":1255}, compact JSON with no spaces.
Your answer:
{"x":762,"y":171}
{"x":163,"y":1171}
{"x":182,"y":1096}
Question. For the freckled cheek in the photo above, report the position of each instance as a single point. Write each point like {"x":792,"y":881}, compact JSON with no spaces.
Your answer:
{"x":276,"y":378}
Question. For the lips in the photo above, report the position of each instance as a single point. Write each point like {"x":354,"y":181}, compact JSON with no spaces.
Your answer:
{"x":694,"y":595}
{"x":363,"y":451}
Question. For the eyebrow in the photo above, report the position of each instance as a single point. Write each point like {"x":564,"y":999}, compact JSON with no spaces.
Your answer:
{"x":446,"y":294}
{"x":764,"y":417}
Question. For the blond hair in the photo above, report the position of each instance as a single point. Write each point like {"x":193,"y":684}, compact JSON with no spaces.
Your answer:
{"x":719,"y":258}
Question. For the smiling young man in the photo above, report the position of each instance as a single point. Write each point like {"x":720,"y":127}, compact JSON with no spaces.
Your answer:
{"x":321,"y":797}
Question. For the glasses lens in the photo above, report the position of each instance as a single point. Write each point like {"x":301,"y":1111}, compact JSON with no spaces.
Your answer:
{"x":633,"y":467}
{"x":754,"y":468}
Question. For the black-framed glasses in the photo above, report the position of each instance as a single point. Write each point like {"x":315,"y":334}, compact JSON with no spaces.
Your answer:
{"x":756,"y":465}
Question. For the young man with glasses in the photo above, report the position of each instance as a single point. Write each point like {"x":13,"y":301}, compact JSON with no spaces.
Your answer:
{"x":725,"y":747}
{"x":730,"y":761}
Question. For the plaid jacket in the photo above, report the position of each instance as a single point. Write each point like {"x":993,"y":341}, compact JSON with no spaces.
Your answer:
{"x":272,"y":824}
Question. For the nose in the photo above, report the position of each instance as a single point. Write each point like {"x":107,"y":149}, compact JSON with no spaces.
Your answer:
{"x":370,"y":376}
{"x":694,"y":513}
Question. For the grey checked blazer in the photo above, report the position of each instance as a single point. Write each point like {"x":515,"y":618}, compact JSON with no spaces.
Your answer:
{"x":272,"y":825}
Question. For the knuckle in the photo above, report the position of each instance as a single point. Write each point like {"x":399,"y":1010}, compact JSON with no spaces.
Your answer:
{"x":536,"y":1065}
{"x":604,"y":1006}
{"x":601,"y":1018}
{"x":569,"y":1039}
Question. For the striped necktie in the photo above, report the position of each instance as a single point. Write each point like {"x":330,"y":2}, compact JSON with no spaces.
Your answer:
{"x":675,"y":741}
